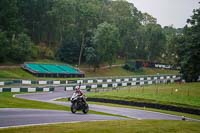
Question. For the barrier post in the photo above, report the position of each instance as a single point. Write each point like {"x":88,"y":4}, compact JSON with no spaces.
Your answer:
{"x":142,"y":89}
{"x":171,"y":91}
{"x":188,"y":92}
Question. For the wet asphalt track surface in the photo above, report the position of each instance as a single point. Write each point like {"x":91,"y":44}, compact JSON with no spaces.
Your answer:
{"x":16,"y":117}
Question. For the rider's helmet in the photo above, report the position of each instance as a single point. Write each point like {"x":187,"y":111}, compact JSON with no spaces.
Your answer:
{"x":77,"y":88}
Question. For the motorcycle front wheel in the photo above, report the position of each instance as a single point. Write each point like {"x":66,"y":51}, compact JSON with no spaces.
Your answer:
{"x":73,"y":108}
{"x":86,"y":109}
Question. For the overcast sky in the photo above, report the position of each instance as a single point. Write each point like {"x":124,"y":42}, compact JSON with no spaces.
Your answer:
{"x":168,"y":12}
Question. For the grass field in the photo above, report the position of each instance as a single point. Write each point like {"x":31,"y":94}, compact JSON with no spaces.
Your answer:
{"x":141,"y":108}
{"x":119,"y":71}
{"x":149,"y":109}
{"x":15,"y":73}
{"x":187,"y":94}
{"x":127,"y":126}
{"x":8,"y":101}
{"x":18,"y":73}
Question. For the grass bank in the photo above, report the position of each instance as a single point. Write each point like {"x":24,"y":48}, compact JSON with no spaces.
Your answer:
{"x":149,"y":109}
{"x":128,"y":126}
{"x":141,"y":108}
{"x":119,"y":71}
{"x":15,"y":73}
{"x":184,"y":95}
{"x":19,"y":73}
{"x":8,"y":101}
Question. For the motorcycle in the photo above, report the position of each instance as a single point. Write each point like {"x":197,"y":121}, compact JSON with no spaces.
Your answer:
{"x":78,"y":103}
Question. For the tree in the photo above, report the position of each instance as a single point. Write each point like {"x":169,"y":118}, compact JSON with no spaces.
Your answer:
{"x":63,"y":12}
{"x":127,"y":19}
{"x":189,"y":48}
{"x":68,"y":27}
{"x":106,"y":42}
{"x":36,"y":20}
{"x":154,"y":42}
{"x":4,"y":43}
{"x":86,"y":21}
{"x":148,"y":19}
{"x":170,"y":52}
{"x":21,"y":49}
{"x":91,"y":57}
{"x":68,"y":51}
{"x":9,"y":20}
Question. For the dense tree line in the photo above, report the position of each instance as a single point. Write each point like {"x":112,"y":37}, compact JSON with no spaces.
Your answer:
{"x":90,"y":31}
{"x":64,"y":29}
{"x":189,"y":48}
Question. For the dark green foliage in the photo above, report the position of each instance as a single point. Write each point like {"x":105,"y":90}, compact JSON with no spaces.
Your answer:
{"x":4,"y":43}
{"x":170,"y":53}
{"x":154,"y":42}
{"x":35,"y":18}
{"x":21,"y":49}
{"x":68,"y":51}
{"x":189,"y":48}
{"x":9,"y":17}
{"x":15,"y":45}
{"x":18,"y":49}
{"x":66,"y":27}
{"x":106,"y":42}
{"x":132,"y":66}
{"x":91,"y":57}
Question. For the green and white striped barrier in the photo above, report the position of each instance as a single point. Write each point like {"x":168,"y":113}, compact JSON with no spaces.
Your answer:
{"x":28,"y":89}
{"x":93,"y":81}
{"x":2,"y":83}
{"x":125,"y":82}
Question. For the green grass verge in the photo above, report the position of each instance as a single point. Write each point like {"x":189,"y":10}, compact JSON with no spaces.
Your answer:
{"x":149,"y":109}
{"x":141,"y":108}
{"x":185,"y":95}
{"x":19,"y":73}
{"x":15,"y":73}
{"x":119,"y":71}
{"x":8,"y":101}
{"x":125,"y":126}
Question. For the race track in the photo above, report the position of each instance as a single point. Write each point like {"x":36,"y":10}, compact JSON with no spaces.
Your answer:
{"x":16,"y":117}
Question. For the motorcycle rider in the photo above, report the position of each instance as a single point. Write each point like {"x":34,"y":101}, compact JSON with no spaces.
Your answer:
{"x":78,"y":101}
{"x":79,"y":92}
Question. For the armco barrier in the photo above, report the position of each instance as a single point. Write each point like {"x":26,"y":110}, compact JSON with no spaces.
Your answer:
{"x":96,"y":80}
{"x":149,"y":105}
{"x":27,"y":89}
